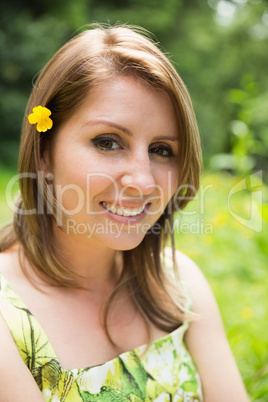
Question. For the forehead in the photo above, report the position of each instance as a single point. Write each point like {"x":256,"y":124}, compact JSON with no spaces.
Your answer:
{"x":126,"y":100}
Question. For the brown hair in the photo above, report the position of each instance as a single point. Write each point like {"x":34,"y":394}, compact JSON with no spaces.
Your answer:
{"x":84,"y":62}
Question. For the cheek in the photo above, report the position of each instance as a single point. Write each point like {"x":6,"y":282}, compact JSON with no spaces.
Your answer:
{"x":99,"y":183}
{"x":169,"y":183}
{"x":69,"y":181}
{"x":69,"y":191}
{"x":166,"y":185}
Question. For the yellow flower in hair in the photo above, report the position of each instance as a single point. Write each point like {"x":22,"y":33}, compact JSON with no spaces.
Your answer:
{"x":40,"y":116}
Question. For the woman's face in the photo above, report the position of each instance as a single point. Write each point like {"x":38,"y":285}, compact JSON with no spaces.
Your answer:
{"x":115,"y":163}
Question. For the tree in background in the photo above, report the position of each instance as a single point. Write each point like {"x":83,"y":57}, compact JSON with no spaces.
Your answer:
{"x":219,"y":48}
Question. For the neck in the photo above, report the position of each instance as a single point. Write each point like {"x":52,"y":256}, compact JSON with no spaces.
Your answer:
{"x":98,"y":265}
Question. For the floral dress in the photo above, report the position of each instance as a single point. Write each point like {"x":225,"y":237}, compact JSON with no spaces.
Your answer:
{"x":164,"y":371}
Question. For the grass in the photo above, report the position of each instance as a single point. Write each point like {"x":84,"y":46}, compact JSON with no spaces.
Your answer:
{"x":230,"y":244}
{"x":234,"y":259}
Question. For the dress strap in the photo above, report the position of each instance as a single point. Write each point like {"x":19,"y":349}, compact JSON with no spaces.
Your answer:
{"x":28,"y":335}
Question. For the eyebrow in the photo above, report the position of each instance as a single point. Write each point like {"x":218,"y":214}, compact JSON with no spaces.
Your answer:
{"x":126,"y":130}
{"x":110,"y":124}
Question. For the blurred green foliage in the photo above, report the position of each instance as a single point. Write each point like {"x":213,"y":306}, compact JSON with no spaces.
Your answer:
{"x":219,"y":48}
{"x":233,"y":257}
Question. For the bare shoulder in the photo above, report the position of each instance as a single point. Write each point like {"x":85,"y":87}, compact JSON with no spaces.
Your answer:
{"x":12,"y":368}
{"x":206,"y":339}
{"x":9,"y":260}
{"x":202,"y":296}
{"x":196,"y":282}
{"x":14,"y":371}
{"x":11,"y":269}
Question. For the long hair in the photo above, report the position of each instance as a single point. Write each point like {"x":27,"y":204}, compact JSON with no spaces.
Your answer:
{"x":81,"y":64}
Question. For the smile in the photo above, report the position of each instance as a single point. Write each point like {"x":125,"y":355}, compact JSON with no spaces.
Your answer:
{"x":123,"y":211}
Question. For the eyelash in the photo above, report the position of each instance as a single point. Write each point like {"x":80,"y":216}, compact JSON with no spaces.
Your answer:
{"x":97,"y":142}
{"x":169,"y":151}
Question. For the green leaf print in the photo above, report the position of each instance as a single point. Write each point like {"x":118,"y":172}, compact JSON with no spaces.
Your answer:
{"x":191,"y":384}
{"x":163,"y":372}
{"x":106,"y":394}
{"x":48,"y":375}
{"x":135,"y":374}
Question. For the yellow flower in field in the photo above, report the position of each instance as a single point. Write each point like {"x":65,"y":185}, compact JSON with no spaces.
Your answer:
{"x":40,"y":116}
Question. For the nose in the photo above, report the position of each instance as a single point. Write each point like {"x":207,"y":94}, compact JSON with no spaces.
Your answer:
{"x":138,"y":176}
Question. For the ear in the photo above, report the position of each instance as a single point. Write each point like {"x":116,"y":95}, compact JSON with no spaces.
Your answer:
{"x":45,"y":164}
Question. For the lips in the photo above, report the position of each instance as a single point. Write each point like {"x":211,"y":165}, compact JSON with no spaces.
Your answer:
{"x":122,"y":211}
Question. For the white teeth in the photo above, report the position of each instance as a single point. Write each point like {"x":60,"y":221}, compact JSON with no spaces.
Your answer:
{"x":126,"y":212}
{"x":113,"y":209}
{"x":123,"y":211}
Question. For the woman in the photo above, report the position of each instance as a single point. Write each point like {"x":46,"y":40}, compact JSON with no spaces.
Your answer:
{"x":93,"y":306}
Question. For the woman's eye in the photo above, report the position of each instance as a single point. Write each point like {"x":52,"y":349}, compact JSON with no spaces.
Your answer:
{"x":160,"y":150}
{"x":105,"y":143}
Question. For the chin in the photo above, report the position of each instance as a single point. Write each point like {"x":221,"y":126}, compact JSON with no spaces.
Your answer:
{"x":124,"y":242}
